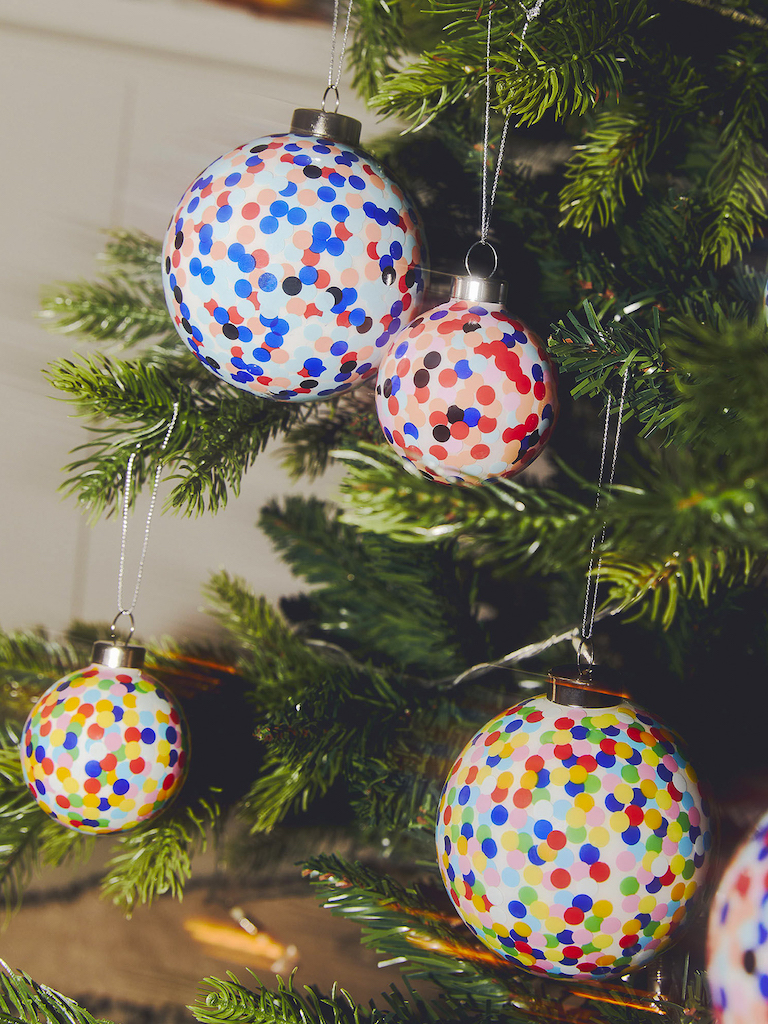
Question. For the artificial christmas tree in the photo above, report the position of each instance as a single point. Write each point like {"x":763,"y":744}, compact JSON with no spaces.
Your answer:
{"x":633,"y":192}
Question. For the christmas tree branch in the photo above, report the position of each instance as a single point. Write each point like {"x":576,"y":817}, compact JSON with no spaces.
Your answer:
{"x":23,"y":1001}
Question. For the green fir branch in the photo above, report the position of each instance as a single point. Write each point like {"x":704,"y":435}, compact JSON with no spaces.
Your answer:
{"x":24,"y":1001}
{"x":379,"y":40}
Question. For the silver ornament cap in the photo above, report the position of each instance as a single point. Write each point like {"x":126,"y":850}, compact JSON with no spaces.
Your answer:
{"x":479,"y":289}
{"x":114,"y":655}
{"x":583,"y":686}
{"x":326,"y":124}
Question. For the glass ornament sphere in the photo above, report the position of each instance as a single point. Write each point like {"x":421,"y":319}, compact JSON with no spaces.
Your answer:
{"x":291,"y":262}
{"x":466,"y":393}
{"x":737,"y":940}
{"x":571,"y":839}
{"x":105,"y":748}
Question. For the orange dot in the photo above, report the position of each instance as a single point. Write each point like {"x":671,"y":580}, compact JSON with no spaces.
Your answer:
{"x":460,"y":430}
{"x":251,"y":211}
{"x":447,"y":378}
{"x":479,"y":451}
{"x":91,"y":785}
{"x":438,"y":451}
{"x":486,"y":395}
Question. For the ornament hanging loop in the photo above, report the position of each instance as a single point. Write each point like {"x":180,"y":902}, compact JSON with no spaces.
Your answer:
{"x":585,"y":654}
{"x":487,"y":244}
{"x":113,"y":627}
{"x":330,"y":89}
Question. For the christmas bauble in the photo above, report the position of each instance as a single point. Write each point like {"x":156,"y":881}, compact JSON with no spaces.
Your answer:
{"x":737,"y":950}
{"x":105,"y":748}
{"x":466,"y":393}
{"x":570,"y":839}
{"x":291,"y":262}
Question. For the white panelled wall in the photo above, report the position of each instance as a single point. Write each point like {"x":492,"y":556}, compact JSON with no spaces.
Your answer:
{"x":109,"y":109}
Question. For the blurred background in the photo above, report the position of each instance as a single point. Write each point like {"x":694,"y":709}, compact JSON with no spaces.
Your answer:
{"x":111,"y":107}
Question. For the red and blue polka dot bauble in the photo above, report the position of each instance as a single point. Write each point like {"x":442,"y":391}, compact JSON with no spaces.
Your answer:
{"x":290,"y":263}
{"x":466,"y":393}
{"x":571,"y":839}
{"x":737,"y":960}
{"x":105,"y":748}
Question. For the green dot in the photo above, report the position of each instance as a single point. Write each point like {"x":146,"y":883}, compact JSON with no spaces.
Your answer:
{"x":593,"y":783}
{"x":629,"y":773}
{"x":650,"y":928}
{"x":629,"y":886}
{"x":547,"y":737}
{"x":76,"y":800}
{"x":684,"y":821}
{"x":451,"y":796}
{"x":540,"y":794}
{"x":468,"y":815}
{"x":588,"y":948}
{"x":524,"y":841}
{"x":551,"y":941}
{"x":575,"y":835}
{"x":660,"y":749}
{"x":654,"y":844}
{"x":688,"y":870}
{"x":528,"y":895}
{"x":596,"y":736}
{"x":482,"y":833}
{"x":593,"y":924}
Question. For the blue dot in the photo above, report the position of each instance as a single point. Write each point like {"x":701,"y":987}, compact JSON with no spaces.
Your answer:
{"x":235,"y":252}
{"x":543,"y":780}
{"x":297,"y":216}
{"x":314,"y":366}
{"x":121,"y":786}
{"x":338,"y":348}
{"x":39,"y":786}
{"x":382,"y":218}
{"x":542,"y":828}
{"x":195,"y":266}
{"x":489,"y":848}
{"x":370,"y":210}
{"x":253,"y":161}
{"x":499,"y":814}
{"x":184,"y":309}
{"x":170,"y":734}
{"x":320,"y":148}
{"x":463,"y":372}
{"x":206,"y":232}
{"x":392,"y":215}
{"x":243,"y":288}
{"x":401,"y":349}
{"x":292,"y":147}
{"x":631,"y":836}
{"x":193,"y":205}
{"x":386,"y":261}
{"x":321,"y":230}
{"x":339,"y":212}
{"x":246,"y":264}
{"x":289,"y":190}
{"x":517,"y":909}
{"x":220,"y":315}
{"x":70,"y":741}
{"x":147,"y":735}
{"x":307,"y":275}
{"x":104,"y":804}
{"x":356,"y":316}
{"x":396,"y":388}
{"x":589,"y":854}
{"x":244,"y":334}
{"x":356,"y":182}
{"x":279,"y":208}
{"x":471,"y":416}
{"x":273,"y":340}
{"x":173,"y":757}
{"x":269,"y":225}
{"x":582,"y":902}
{"x":466,"y":830}
{"x":116,"y":710}
{"x":464,"y":794}
{"x":335,"y":246}
{"x":267,"y":282}
{"x":207,"y":275}
{"x":413,"y":431}
{"x":326,"y":194}
{"x":223,"y":214}
{"x":280,"y":327}
{"x":302,"y":159}
{"x":232,"y":179}
{"x":536,"y":372}
{"x":93,"y":768}
{"x":396,"y":250}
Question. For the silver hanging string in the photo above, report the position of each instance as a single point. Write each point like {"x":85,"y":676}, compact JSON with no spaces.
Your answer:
{"x":593,"y":581}
{"x":121,"y":608}
{"x":334,"y":73}
{"x":486,"y":203}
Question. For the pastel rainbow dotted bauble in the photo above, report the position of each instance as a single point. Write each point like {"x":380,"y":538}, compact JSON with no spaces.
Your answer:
{"x":105,"y":748}
{"x":466,"y":393}
{"x":737,"y":941}
{"x":570,"y":839}
{"x":290,"y":263}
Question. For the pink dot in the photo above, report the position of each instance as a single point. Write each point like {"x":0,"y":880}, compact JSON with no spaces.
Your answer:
{"x":611,"y":925}
{"x":112,"y":741}
{"x":626,"y":860}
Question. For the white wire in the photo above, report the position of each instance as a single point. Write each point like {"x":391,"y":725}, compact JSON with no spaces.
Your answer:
{"x":121,"y":609}
{"x":331,"y":83}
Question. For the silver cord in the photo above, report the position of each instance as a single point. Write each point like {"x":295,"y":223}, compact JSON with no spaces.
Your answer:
{"x":121,"y":609}
{"x":334,"y":85}
{"x":593,"y":582}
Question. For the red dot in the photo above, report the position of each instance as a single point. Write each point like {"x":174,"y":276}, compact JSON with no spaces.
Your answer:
{"x":573,"y":952}
{"x":459,"y":430}
{"x":486,"y":424}
{"x":563,"y":751}
{"x":539,"y":390}
{"x":95,"y":732}
{"x":250,"y":211}
{"x":62,"y":802}
{"x":485,"y":395}
{"x":535,"y":716}
{"x":499,"y":795}
{"x":132,"y":734}
{"x":447,"y":816}
{"x":46,"y":727}
{"x":403,"y":367}
{"x":472,"y":774}
{"x":436,"y":417}
{"x":588,"y":762}
{"x":123,"y":678}
{"x":168,"y":781}
{"x":627,"y":940}
{"x":556,"y":840}
{"x":223,"y":198}
{"x":674,"y":792}
{"x":532,"y":422}
{"x":91,"y":785}
{"x":534,"y":763}
{"x":447,"y":378}
{"x":668,"y":877}
{"x":137,"y":765}
{"x":561,"y":879}
{"x":600,"y":871}
{"x":573,"y":915}
{"x":522,"y":798}
{"x":563,"y":723}
{"x":438,"y":451}
{"x":47,"y":765}
{"x":635,"y":814}
{"x":587,"y":968}
{"x":86,"y":710}
{"x":393,"y":405}
{"x":480,"y":451}
{"x":92,"y":672}
{"x":108,"y":763}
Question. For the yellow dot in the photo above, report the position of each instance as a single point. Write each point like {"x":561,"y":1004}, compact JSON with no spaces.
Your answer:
{"x":71,"y":703}
{"x":661,"y":931}
{"x":133,"y":750}
{"x":584,"y":801}
{"x":495,"y":749}
{"x":559,"y":776}
{"x":675,"y":832}
{"x":650,"y":757}
{"x":505,"y":780}
{"x":111,"y":777}
{"x":648,"y":787}
{"x":483,"y":773}
{"x":128,"y":804}
{"x":104,"y":705}
{"x":148,"y":808}
{"x":163,"y":747}
{"x":578,"y":773}
{"x":526,"y":959}
{"x":690,"y":771}
{"x":477,"y":901}
{"x":105,"y":719}
{"x":575,"y":817}
{"x":678,"y":891}
{"x":523,"y":929}
{"x":599,"y":836}
{"x":150,"y":785}
{"x":528,"y":780}
{"x":554,"y":924}
{"x":602,"y":942}
{"x":518,"y":740}
{"x":690,"y":889}
{"x":653,"y":818}
{"x":129,"y":700}
{"x":623,"y":750}
{"x":57,"y":737}
{"x":114,"y":800}
{"x":533,"y":874}
{"x":561,"y":736}
{"x":631,"y":927}
{"x":479,"y":860}
{"x":62,"y":773}
{"x":619,"y":821}
{"x":509,"y":840}
{"x":602,"y":908}
{"x":605,"y":960}
{"x":677,"y":864}
{"x":500,"y":930}
{"x":546,"y":852}
{"x":646,"y":904}
{"x":623,"y":793}
{"x":71,"y":785}
{"x":648,"y":859}
{"x":461,"y":845}
{"x":130,"y":718}
{"x":555,"y":955}
{"x":663,"y":799}
{"x":90,"y":800}
{"x":539,"y":909}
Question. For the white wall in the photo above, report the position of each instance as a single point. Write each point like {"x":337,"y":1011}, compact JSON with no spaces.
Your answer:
{"x":110,"y":107}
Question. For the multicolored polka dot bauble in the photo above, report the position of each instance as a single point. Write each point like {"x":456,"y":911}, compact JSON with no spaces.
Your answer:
{"x":105,"y":748}
{"x":290,"y":263}
{"x":570,"y":839}
{"x":466,"y":393}
{"x":738,"y":935}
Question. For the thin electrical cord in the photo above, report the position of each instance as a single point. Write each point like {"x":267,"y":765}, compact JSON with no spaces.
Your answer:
{"x":334,"y":84}
{"x":121,"y":609}
{"x":593,"y":582}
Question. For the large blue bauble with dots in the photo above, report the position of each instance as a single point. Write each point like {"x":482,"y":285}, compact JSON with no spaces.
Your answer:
{"x":290,"y":263}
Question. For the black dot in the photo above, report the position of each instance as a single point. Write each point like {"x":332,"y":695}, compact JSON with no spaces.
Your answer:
{"x":230,"y":331}
{"x":335,"y":292}
{"x":410,"y":277}
{"x":441,"y":432}
{"x":378,"y":389}
{"x":186,"y":325}
{"x":309,"y":384}
{"x":468,"y":328}
{"x":749,"y":962}
{"x":348,"y":366}
{"x":177,"y":294}
{"x":432,"y":359}
{"x":365,"y":326}
{"x":212,"y":362}
{"x":421,"y":378}
{"x":387,"y":387}
{"x":167,"y":264}
{"x":455,"y":414}
{"x":260,"y":149}
{"x":179,"y":239}
{"x":417,"y":322}
{"x":426,"y":475}
{"x":291,"y":286}
{"x":313,"y":172}
{"x":388,"y":275}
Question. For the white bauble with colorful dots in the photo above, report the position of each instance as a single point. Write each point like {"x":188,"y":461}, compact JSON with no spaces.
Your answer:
{"x":290,"y":263}
{"x":737,"y":946}
{"x":570,"y":839}
{"x":105,"y":748}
